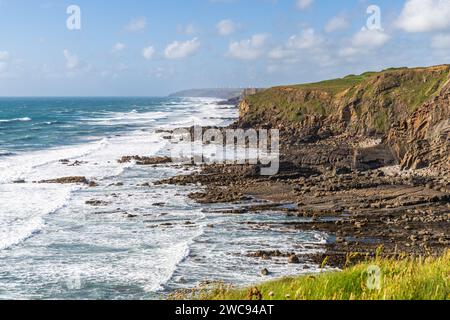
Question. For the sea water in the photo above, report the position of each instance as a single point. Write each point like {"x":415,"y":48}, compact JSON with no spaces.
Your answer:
{"x":142,"y":241}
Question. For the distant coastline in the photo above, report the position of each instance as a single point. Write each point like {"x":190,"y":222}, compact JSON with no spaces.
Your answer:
{"x":220,"y":93}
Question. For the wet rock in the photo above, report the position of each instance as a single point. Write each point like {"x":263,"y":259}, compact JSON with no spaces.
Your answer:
{"x":67,"y":180}
{"x":359,"y":225}
{"x":93,"y":184}
{"x":181,"y":280}
{"x":159,"y":204}
{"x":77,"y":163}
{"x":96,"y":203}
{"x":270,"y":254}
{"x":146,"y":184}
{"x":340,"y":240}
{"x":163,"y":131}
{"x":266,"y":257}
{"x":342,"y":171}
{"x":293,"y":259}
{"x":145,"y":161}
{"x":265,"y":272}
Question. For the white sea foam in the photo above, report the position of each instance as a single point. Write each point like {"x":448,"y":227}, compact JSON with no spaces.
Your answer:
{"x":23,"y":208}
{"x":111,"y":255}
{"x":127,"y":118}
{"x":25,"y":119}
{"x":100,"y":162}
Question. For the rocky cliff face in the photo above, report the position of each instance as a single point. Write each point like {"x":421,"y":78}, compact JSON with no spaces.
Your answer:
{"x":423,"y":139}
{"x":408,"y":109}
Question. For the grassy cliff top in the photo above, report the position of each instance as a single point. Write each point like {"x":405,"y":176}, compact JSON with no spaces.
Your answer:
{"x":377,"y":99}
{"x":332,"y":86}
{"x":345,"y":83}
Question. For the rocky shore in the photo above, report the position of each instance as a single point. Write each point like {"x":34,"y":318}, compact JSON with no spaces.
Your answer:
{"x":364,"y":159}
{"x":403,"y":213}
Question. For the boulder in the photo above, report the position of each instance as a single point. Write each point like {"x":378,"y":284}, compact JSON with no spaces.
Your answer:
{"x":67,"y":180}
{"x":293,"y":259}
{"x":265,"y":272}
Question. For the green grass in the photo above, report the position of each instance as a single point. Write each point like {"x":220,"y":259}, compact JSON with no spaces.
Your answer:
{"x":378,"y":98}
{"x":336,"y":85}
{"x":421,"y":88}
{"x":381,"y":122}
{"x":407,"y":279}
{"x":293,"y":102}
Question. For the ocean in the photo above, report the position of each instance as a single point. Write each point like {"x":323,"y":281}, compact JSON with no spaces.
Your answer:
{"x":143,"y":241}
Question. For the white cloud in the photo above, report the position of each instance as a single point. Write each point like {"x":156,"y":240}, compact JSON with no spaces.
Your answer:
{"x":118,"y":47}
{"x":441,"y":41}
{"x":304,"y":4}
{"x":308,"y":39}
{"x":258,"y":40}
{"x":136,"y":25}
{"x":280,"y":53}
{"x":148,"y":52}
{"x":226,"y":27}
{"x":3,"y":66}
{"x":425,"y":15}
{"x":179,"y":50}
{"x":308,"y":45}
{"x":187,"y":30}
{"x":336,"y":23}
{"x":72,"y":61}
{"x":4,"y":55}
{"x":349,"y":52}
{"x":248,"y":49}
{"x":364,"y":41}
{"x":370,"y":39}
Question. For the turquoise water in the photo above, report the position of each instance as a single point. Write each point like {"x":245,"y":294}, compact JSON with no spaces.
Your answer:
{"x":38,"y":123}
{"x":143,"y":240}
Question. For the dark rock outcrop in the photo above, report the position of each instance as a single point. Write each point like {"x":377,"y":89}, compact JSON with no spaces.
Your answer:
{"x":67,"y":180}
{"x":423,"y":140}
{"x":406,"y":110}
{"x":145,"y":161}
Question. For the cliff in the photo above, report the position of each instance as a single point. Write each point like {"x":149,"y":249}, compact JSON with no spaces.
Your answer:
{"x":407,"y":109}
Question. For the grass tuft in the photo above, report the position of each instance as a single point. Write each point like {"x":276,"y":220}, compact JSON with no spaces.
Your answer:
{"x":400,"y":279}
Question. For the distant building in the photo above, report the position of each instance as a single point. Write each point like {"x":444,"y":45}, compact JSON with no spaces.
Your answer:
{"x":250,"y":91}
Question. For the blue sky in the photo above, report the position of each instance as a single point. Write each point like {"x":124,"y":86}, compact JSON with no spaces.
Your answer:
{"x":151,"y":47}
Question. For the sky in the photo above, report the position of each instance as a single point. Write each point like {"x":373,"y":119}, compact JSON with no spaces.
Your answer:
{"x":153,"y":48}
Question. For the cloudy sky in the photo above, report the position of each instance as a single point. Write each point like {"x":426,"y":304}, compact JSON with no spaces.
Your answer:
{"x":154,"y":47}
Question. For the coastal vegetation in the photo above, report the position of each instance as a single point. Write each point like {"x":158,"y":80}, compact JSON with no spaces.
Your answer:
{"x":374,"y":100}
{"x":399,"y":279}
